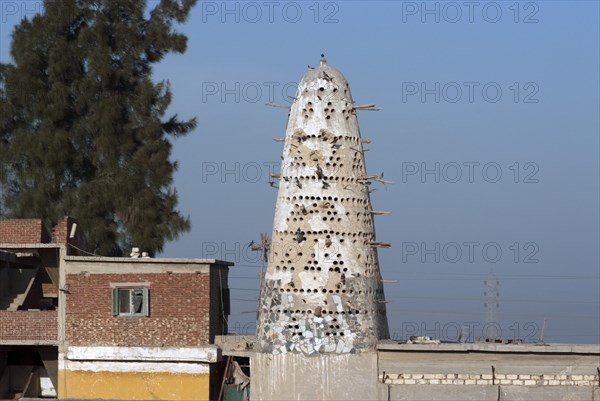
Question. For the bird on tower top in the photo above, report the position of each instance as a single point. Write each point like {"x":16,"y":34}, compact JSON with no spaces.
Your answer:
{"x":323,"y":60}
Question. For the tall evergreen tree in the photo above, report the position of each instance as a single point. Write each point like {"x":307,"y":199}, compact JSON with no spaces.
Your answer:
{"x":82,"y":125}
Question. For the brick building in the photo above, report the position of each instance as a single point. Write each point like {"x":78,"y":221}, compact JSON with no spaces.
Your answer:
{"x":29,"y":317}
{"x":90,"y":327}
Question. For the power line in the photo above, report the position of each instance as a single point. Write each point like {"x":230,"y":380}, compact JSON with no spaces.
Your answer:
{"x":481,"y":275}
{"x":519,"y":300}
{"x":503,"y":299}
{"x":456,"y":313}
{"x":478,"y":275}
{"x":555,"y":327}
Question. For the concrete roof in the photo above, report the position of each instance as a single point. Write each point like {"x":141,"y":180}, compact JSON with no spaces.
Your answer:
{"x":7,"y":256}
{"x":105,"y":259}
{"x":12,"y":256}
{"x":31,"y":246}
{"x":487,"y":347}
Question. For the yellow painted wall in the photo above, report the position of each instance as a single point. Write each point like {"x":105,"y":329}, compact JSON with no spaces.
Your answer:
{"x":133,"y":386}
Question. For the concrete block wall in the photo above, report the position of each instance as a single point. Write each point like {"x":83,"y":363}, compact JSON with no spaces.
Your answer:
{"x":488,"y":379}
{"x":476,"y":392}
{"x":474,"y":371}
{"x":179,"y":310}
{"x":295,"y":376}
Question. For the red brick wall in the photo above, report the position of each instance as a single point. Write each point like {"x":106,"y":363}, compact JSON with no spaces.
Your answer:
{"x":23,"y":231}
{"x":61,"y":235}
{"x":60,"y":232}
{"x":28,"y":325}
{"x":49,"y":289}
{"x":179,"y":311}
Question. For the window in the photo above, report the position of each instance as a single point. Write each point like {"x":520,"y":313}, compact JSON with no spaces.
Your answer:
{"x":130,"y":301}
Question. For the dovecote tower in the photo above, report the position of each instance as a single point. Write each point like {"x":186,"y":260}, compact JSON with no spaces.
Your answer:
{"x":322,"y":292}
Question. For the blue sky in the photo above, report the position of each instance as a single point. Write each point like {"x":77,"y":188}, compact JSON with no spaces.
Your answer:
{"x":497,"y":103}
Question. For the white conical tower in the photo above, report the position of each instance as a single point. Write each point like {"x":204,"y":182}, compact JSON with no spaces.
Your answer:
{"x":322,"y":291}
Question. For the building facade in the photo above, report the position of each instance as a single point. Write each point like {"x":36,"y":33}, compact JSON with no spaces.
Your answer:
{"x":30,"y":332}
{"x":94,"y":327}
{"x":141,"y":329}
{"x":409,"y":371}
{"x":487,"y":371}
